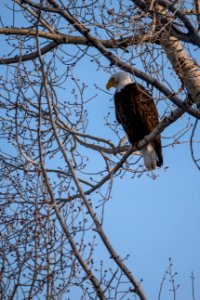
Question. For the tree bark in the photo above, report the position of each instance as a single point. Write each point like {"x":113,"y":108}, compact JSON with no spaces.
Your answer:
{"x":186,"y":69}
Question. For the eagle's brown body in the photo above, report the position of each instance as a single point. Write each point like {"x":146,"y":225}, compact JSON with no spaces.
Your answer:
{"x":137,"y":113}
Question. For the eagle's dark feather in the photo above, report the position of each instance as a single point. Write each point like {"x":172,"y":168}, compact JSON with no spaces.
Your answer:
{"x":137,"y":113}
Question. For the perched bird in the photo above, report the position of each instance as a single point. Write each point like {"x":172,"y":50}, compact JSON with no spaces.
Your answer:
{"x":136,"y":112}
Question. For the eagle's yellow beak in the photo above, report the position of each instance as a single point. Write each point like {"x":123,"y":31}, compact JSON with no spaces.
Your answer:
{"x":110,"y":83}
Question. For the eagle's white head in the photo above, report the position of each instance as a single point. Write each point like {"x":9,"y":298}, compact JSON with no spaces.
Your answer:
{"x":118,"y":80}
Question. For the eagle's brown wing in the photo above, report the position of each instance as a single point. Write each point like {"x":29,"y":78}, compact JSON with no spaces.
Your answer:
{"x":136,"y":111}
{"x":149,"y":114}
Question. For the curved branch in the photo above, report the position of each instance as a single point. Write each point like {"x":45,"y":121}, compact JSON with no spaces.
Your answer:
{"x":26,"y":57}
{"x":191,"y":145}
{"x":190,"y":37}
{"x":116,"y":61}
{"x":59,"y":39}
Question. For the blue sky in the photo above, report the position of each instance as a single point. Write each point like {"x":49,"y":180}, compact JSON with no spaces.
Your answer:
{"x":151,"y":220}
{"x":157,"y":219}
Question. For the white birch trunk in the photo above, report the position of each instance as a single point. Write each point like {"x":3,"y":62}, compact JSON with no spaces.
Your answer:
{"x":186,"y":68}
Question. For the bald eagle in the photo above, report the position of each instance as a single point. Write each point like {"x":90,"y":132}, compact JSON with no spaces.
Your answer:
{"x":136,"y":112}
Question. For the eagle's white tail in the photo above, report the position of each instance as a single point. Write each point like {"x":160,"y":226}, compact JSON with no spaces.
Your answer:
{"x":150,"y":157}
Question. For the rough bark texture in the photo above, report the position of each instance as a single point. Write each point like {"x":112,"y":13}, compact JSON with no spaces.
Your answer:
{"x":185,"y":68}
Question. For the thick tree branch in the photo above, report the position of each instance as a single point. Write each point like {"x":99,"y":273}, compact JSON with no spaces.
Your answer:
{"x":62,"y":39}
{"x":165,"y":19}
{"x":102,"y":47}
{"x":186,"y":68}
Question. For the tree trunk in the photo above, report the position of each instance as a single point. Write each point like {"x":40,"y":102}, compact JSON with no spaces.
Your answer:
{"x":184,"y":66}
